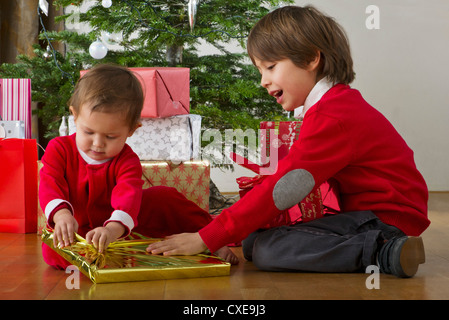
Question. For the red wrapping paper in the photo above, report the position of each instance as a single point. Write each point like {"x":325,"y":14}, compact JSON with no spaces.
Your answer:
{"x":166,"y":91}
{"x":277,"y":136}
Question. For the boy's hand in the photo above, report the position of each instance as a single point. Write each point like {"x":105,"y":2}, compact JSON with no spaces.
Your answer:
{"x":65,"y":228}
{"x":101,"y":237}
{"x":179,"y":244}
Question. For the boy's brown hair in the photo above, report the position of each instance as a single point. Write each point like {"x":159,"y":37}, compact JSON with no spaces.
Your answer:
{"x":110,"y":88}
{"x":298,"y":33}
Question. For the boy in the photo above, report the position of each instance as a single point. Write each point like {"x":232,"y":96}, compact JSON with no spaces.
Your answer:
{"x":304,"y":60}
{"x":91,"y":181}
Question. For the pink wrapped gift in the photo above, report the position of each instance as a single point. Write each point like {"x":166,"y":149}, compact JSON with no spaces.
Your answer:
{"x":166,"y":89}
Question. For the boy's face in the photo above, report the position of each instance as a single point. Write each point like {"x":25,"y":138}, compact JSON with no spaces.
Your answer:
{"x":100,"y":135}
{"x":289,"y":84}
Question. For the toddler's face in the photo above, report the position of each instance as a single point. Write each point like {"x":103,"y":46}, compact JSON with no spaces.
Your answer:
{"x":100,"y":135}
{"x":289,"y":84}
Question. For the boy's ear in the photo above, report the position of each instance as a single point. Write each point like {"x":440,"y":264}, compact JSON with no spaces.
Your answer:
{"x":314,"y":64}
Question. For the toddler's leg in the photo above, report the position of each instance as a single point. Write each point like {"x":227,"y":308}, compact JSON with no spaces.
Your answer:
{"x":165,"y":211}
{"x":53,"y":259}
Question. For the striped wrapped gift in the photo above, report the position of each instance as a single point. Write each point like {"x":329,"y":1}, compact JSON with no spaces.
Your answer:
{"x":15,"y":102}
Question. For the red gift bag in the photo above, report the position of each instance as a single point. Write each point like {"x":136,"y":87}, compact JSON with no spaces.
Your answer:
{"x":18,"y":185}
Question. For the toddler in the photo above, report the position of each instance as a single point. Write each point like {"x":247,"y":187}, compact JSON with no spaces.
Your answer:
{"x":91,"y":182}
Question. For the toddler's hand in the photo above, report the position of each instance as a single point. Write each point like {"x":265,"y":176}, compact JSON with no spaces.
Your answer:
{"x":65,"y":228}
{"x":101,"y":237}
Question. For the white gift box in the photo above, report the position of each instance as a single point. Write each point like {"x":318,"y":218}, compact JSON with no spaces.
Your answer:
{"x":175,"y":138}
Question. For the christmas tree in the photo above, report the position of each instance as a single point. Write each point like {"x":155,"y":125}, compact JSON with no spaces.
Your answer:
{"x":225,"y":87}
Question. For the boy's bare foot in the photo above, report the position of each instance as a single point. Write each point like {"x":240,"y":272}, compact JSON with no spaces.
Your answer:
{"x":226,"y":254}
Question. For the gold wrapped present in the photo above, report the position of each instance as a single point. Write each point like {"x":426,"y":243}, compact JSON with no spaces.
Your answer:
{"x":127,"y":260}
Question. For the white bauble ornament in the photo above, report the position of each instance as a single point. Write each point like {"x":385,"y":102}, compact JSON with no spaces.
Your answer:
{"x":98,"y":50}
{"x":106,"y":3}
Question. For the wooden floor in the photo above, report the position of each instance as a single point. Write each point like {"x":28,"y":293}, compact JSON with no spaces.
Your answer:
{"x":23,"y":275}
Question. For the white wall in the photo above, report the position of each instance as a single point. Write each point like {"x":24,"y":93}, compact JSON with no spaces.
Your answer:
{"x":402,"y":69}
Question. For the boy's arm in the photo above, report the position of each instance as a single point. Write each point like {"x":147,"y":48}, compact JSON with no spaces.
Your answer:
{"x":179,"y":244}
{"x":323,"y":149}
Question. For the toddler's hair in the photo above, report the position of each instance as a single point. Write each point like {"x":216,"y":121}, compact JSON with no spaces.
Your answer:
{"x":110,"y":88}
{"x":298,"y":34}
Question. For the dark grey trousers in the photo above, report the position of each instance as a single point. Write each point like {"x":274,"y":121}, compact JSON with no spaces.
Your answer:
{"x":345,"y":242}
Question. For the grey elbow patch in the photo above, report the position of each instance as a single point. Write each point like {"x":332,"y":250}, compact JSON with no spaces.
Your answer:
{"x":292,"y":188}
